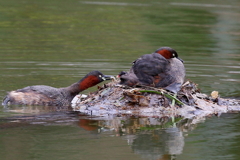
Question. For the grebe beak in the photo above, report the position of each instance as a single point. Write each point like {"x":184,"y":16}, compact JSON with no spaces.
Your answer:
{"x":108,"y":77}
{"x":180,"y":59}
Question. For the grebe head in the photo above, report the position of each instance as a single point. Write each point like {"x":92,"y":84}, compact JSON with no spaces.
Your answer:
{"x":92,"y":79}
{"x":168,"y":53}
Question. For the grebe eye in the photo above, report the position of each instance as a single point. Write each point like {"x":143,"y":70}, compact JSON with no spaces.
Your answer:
{"x":103,"y":78}
{"x":173,"y":54}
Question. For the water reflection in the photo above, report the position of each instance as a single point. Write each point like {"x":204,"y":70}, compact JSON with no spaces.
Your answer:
{"x":151,"y":137}
{"x":34,"y":109}
{"x":56,"y":43}
{"x":16,"y":116}
{"x":159,"y":144}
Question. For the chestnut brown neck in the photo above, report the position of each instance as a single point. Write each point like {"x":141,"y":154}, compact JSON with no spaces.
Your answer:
{"x":83,"y":84}
{"x":88,"y":82}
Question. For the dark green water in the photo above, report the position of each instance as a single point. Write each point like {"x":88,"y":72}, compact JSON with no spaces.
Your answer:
{"x":57,"y":42}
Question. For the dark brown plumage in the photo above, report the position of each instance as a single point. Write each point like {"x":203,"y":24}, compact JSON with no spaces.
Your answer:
{"x":49,"y":96}
{"x":162,"y":69}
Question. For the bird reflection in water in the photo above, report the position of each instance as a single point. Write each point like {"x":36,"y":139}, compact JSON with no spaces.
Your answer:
{"x":151,"y":137}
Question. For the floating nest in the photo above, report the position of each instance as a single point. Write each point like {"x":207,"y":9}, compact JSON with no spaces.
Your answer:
{"x":113,"y":98}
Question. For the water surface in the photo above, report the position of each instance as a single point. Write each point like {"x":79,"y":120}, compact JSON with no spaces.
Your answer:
{"x":56,"y":43}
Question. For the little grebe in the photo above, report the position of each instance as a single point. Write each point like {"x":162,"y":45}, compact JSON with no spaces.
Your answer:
{"x":163,"y":68}
{"x":49,"y":96}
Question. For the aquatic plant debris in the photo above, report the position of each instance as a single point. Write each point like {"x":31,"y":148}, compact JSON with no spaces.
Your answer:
{"x":189,"y":102}
{"x":167,"y":94}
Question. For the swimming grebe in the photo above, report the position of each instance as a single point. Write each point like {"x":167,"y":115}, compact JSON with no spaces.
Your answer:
{"x":49,"y":96}
{"x":163,"y":68}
